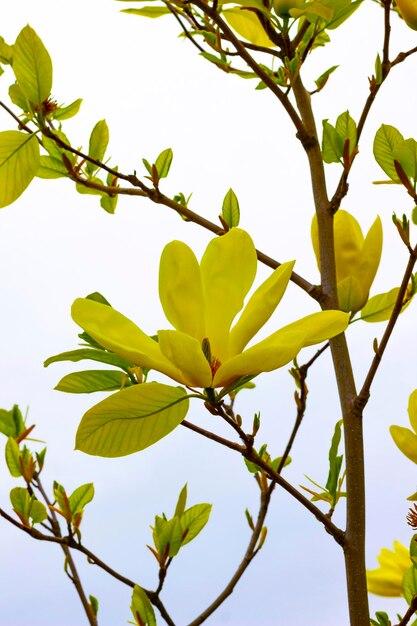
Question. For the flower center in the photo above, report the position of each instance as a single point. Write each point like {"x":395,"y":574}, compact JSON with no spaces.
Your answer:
{"x":212,"y":360}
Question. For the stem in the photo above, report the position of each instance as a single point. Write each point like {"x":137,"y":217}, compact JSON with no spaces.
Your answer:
{"x":354,"y":541}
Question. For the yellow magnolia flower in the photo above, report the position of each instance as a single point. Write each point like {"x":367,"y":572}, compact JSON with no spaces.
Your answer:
{"x":357,"y":258}
{"x":387,"y":580}
{"x":201,"y":302}
{"x":408,"y":11}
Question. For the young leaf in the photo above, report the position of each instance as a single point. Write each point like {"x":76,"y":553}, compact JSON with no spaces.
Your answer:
{"x":167,"y":536}
{"x":81,"y":497}
{"x":406,"y":441}
{"x":193,"y":521}
{"x":323,"y":78}
{"x":32,"y":66}
{"x":109,"y":203}
{"x":11,"y":422}
{"x":6,"y":52}
{"x":410,"y":584}
{"x":346,"y":127}
{"x":132,"y":419}
{"x":65,"y":113}
{"x":230,"y":209}
{"x":99,"y":140}
{"x":405,"y":152}
{"x":335,"y":461}
{"x":332,"y":144}
{"x":17,"y":96}
{"x":182,"y":501}
{"x":93,"y":355}
{"x":37,"y":511}
{"x":163,"y":163}
{"x":12,"y":457}
{"x":89,"y":381}
{"x":141,"y":608}
{"x":386,"y":138}
{"x":379,"y":308}
{"x":19,"y":162}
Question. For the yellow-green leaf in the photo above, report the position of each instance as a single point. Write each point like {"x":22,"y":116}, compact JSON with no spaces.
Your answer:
{"x":19,"y":162}
{"x":51,"y":168}
{"x":99,"y":140}
{"x":386,"y":138}
{"x":131,"y":420}
{"x":81,"y":497}
{"x":32,"y":66}
{"x":12,"y":457}
{"x":65,"y":113}
{"x":248,"y":26}
{"x":230,"y":209}
{"x":150,"y":11}
{"x":141,"y":608}
{"x":89,"y":381}
{"x":193,"y":521}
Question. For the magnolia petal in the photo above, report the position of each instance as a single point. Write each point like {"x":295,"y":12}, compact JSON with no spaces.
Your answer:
{"x":260,"y":307}
{"x":406,"y":441}
{"x":117,"y":333}
{"x":315,"y":240}
{"x":248,"y":26}
{"x":180,"y":289}
{"x":254,"y":361}
{"x":187,"y":356}
{"x":371,"y":255}
{"x":348,"y":243}
{"x":228,"y":268}
{"x":381,"y":584}
{"x":309,"y":330}
{"x":412,"y":410}
{"x":350,"y":294}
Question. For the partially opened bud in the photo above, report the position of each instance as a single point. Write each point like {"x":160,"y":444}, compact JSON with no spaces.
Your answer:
{"x":357,"y":258}
{"x":408,"y":11}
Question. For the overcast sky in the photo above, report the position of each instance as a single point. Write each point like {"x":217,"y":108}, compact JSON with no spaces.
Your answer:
{"x":55,"y":245}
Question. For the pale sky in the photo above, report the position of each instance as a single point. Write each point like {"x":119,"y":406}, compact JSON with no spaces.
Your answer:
{"x":55,"y":245}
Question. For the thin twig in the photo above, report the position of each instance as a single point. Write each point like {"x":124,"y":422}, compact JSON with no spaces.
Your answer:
{"x":410,"y":612}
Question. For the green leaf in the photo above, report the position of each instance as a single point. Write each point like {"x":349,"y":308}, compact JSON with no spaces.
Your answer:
{"x":65,"y":113}
{"x":182,"y":501}
{"x":17,"y":96}
{"x":346,"y":127}
{"x":81,"y":497}
{"x":12,"y":457}
{"x":405,"y":152}
{"x":141,"y":608}
{"x":335,"y":461}
{"x":109,"y":203}
{"x":163,"y":163}
{"x":11,"y":422}
{"x":386,"y":138}
{"x":343,"y":9}
{"x":51,"y":168}
{"x":19,"y":161}
{"x":230,"y":209}
{"x":410,"y":584}
{"x":32,"y":66}
{"x":37,"y":511}
{"x":131,"y":419}
{"x":323,"y":78}
{"x":413,"y":549}
{"x":99,"y":140}
{"x":89,"y":381}
{"x":383,"y":619}
{"x":96,"y":296}
{"x":93,"y":604}
{"x":193,"y":521}
{"x":332,"y":144}
{"x":379,"y":308}
{"x":149,"y":11}
{"x":6,"y":52}
{"x":93,"y":355}
{"x":167,"y":536}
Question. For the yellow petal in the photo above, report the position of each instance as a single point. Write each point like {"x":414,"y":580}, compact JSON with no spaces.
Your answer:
{"x":228,"y":268}
{"x":315,"y":239}
{"x":180,"y":289}
{"x":350,"y":294}
{"x":408,"y":11}
{"x":117,"y":333}
{"x":248,"y":26}
{"x":406,"y":441}
{"x":256,"y":360}
{"x":412,"y":409}
{"x":381,"y":585}
{"x":309,"y":330}
{"x":371,"y":256}
{"x":260,"y":307}
{"x":187,"y":356}
{"x":348,"y":242}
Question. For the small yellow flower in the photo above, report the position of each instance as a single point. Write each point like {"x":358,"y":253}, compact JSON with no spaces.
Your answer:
{"x":387,"y":580}
{"x":357,"y":258}
{"x":201,"y":301}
